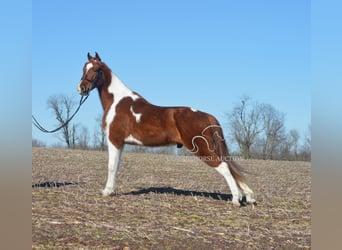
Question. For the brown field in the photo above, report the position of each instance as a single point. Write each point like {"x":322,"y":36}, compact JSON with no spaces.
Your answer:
{"x":165,"y":202}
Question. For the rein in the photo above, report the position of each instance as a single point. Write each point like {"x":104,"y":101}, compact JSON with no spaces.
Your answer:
{"x":41,"y":128}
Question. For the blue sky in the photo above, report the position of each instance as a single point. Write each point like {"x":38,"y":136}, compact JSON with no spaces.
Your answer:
{"x":203,"y":54}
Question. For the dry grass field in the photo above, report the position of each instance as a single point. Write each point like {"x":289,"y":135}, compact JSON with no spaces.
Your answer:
{"x":165,"y":202}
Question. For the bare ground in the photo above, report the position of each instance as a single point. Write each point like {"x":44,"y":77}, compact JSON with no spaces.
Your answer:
{"x":165,"y":202}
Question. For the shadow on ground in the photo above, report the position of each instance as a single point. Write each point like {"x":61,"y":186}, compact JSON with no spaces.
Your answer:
{"x":181,"y":192}
{"x":51,"y":184}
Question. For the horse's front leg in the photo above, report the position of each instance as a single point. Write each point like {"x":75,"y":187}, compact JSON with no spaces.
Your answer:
{"x":114,"y":155}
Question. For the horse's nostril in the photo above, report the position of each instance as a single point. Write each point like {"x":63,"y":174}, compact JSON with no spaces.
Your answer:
{"x":83,"y":89}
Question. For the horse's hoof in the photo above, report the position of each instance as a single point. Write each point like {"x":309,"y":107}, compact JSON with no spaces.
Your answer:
{"x":106,"y":192}
{"x":236,"y":203}
{"x":251,"y":201}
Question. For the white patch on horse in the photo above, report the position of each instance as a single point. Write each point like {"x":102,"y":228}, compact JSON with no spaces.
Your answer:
{"x":120,"y":91}
{"x":88,"y":67}
{"x":223,"y":169}
{"x":193,"y":110}
{"x":131,"y":139}
{"x":136,"y":115}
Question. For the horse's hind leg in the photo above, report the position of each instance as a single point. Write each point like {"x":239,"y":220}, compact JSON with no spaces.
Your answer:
{"x":243,"y":189}
{"x":203,"y":150}
{"x":223,"y":169}
{"x":238,"y":187}
{"x":208,"y":148}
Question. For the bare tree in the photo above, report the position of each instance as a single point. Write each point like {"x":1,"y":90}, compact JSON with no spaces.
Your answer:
{"x":62,"y":107}
{"x":73,"y":136}
{"x":288,"y":147}
{"x":308,"y":136}
{"x":305,"y":151}
{"x":294,"y":138}
{"x":83,"y":138}
{"x":246,"y":124}
{"x":99,"y":134}
{"x":273,"y":130}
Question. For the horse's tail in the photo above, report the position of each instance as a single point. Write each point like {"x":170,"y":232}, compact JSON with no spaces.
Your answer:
{"x":235,"y":169}
{"x":221,"y":150}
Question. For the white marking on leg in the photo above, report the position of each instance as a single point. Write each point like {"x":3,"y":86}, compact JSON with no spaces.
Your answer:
{"x":131,"y":139}
{"x":225,"y":172}
{"x":247,"y":192}
{"x":114,"y":155}
{"x":136,"y":115}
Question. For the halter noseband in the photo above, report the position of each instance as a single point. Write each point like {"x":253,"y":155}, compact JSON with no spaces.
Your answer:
{"x":92,"y":82}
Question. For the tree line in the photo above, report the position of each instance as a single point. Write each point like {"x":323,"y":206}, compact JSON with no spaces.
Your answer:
{"x":73,"y":136}
{"x":258,"y":129}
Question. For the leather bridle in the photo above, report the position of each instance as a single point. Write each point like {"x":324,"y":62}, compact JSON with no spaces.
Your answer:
{"x":94,"y":81}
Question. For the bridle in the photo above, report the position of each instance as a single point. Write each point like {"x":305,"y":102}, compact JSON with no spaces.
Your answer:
{"x":98,"y":76}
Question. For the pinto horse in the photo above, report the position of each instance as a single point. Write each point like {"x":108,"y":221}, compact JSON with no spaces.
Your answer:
{"x":130,"y":119}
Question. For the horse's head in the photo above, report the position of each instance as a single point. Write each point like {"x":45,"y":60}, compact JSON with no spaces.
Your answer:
{"x":92,"y":74}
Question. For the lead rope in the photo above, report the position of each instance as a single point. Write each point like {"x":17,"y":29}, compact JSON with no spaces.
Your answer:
{"x":41,"y":128}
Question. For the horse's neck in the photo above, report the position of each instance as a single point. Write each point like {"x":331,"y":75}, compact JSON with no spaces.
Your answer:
{"x":118,"y":88}
{"x":113,"y":88}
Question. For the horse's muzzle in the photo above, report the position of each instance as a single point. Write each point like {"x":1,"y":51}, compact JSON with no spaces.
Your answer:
{"x":83,"y":90}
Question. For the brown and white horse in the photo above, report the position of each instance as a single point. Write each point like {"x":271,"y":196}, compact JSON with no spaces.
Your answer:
{"x":129,"y":119}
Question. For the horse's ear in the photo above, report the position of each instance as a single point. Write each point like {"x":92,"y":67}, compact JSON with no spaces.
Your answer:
{"x":97,"y":56}
{"x":89,"y":56}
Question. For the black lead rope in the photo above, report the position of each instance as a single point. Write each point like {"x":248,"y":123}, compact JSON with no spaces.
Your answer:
{"x":41,"y":128}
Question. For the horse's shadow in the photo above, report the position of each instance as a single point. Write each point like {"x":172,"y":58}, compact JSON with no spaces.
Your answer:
{"x":181,"y":192}
{"x":52,"y":184}
{"x":155,"y":190}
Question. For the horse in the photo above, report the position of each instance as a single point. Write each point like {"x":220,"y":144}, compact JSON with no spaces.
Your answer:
{"x":128,"y":118}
